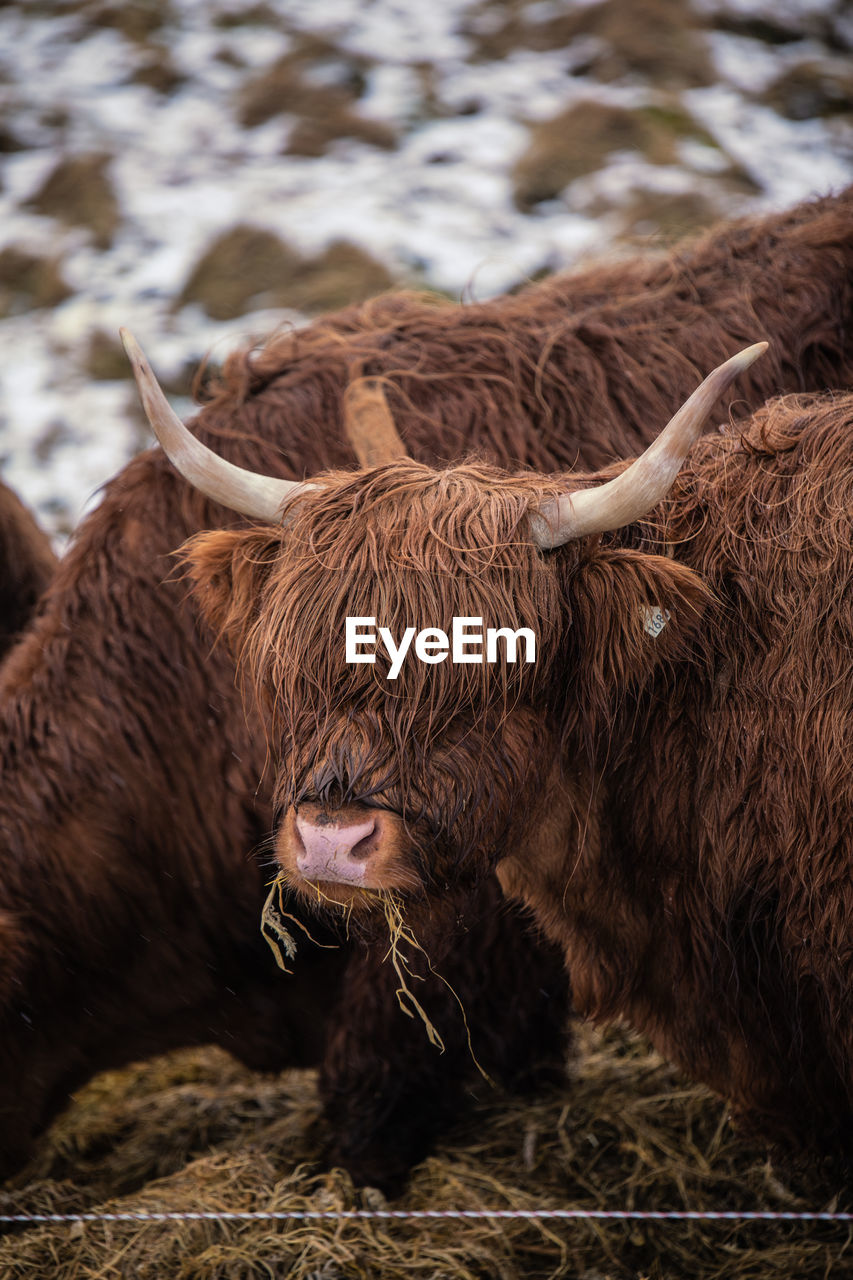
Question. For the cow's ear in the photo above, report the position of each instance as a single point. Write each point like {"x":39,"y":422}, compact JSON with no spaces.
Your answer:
{"x":228,"y":572}
{"x":630,"y":613}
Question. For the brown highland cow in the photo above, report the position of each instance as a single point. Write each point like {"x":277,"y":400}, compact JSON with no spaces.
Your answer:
{"x":666,"y":786}
{"x":131,"y":806}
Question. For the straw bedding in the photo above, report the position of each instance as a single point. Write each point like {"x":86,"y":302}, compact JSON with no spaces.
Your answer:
{"x":195,"y":1130}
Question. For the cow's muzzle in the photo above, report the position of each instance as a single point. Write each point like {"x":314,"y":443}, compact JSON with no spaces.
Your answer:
{"x":354,"y":846}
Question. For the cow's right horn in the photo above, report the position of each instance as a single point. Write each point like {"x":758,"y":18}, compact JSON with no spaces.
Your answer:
{"x":647,"y":481}
{"x":263,"y":497}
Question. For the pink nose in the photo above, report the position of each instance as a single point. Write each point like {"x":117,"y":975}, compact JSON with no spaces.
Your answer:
{"x":334,"y":853}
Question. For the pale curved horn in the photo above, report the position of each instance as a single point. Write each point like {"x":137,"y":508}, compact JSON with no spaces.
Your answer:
{"x":648,"y":480}
{"x":369,"y":425}
{"x":263,"y":497}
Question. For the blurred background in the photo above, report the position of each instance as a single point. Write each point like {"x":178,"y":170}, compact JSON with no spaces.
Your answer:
{"x":205,"y":170}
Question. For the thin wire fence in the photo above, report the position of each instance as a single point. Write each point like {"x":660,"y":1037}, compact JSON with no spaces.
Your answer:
{"x":401,"y":1215}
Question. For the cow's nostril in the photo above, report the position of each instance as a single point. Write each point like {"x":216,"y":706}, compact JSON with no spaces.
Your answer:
{"x":327,"y":844}
{"x":365,"y":845}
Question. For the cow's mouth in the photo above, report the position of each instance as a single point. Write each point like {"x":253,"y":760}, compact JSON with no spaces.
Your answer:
{"x":344,"y":856}
{"x":331,"y":894}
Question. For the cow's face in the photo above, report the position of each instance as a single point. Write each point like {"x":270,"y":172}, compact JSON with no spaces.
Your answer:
{"x":410,"y":773}
{"x":420,"y":766}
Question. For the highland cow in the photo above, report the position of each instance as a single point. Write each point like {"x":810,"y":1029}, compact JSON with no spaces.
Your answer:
{"x":129,"y":900}
{"x":667,"y":787}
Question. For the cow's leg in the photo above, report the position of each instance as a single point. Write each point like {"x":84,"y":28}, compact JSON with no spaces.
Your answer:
{"x":387,"y":1091}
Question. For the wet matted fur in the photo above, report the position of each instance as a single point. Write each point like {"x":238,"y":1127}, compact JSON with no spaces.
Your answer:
{"x":132,"y":776}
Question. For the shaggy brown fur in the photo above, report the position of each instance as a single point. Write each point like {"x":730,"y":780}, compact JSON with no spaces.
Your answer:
{"x":27,"y":563}
{"x":131,"y":801}
{"x":579,"y":370}
{"x":678,"y":811}
{"x":710,"y":902}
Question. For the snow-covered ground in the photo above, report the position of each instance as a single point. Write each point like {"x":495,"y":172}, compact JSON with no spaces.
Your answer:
{"x":437,"y":209}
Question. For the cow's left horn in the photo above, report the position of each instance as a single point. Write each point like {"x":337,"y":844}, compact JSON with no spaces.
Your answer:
{"x":263,"y":497}
{"x":648,"y":480}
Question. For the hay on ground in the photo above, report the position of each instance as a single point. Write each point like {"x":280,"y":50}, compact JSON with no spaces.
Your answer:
{"x":194,"y":1130}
